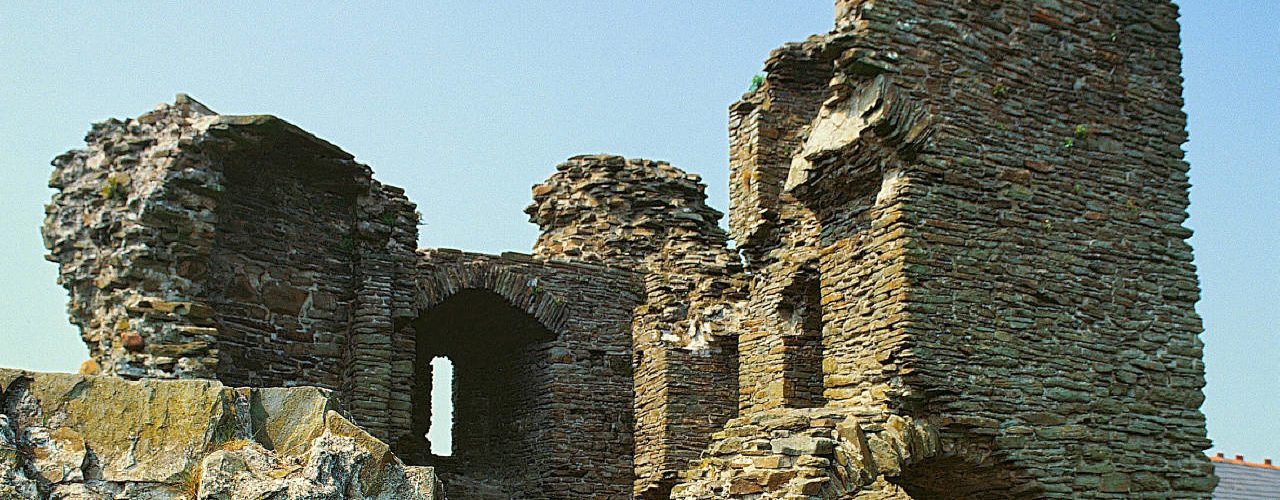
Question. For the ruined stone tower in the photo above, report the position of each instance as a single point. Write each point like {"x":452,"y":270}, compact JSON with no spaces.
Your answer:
{"x":960,"y":272}
{"x":989,"y":196}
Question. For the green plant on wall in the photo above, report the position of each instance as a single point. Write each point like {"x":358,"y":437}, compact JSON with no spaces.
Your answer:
{"x":116,"y":187}
{"x":756,"y":82}
{"x":999,"y":91}
{"x":1079,"y":133}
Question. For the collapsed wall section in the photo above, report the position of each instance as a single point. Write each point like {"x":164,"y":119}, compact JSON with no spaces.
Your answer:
{"x":780,"y":344}
{"x":1049,"y":322}
{"x":131,"y":228}
{"x":765,"y":130}
{"x":617,"y":211}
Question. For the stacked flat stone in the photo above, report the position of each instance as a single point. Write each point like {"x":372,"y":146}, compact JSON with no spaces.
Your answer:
{"x":802,"y":454}
{"x":186,"y":238}
{"x":686,"y":357}
{"x":131,"y":228}
{"x":542,"y":407}
{"x":765,"y":130}
{"x":608,"y":209}
{"x":651,"y":217}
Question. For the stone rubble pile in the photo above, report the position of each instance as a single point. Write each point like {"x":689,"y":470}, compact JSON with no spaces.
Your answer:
{"x":811,"y":453}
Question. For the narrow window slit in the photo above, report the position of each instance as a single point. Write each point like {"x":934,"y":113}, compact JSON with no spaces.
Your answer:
{"x":441,"y":431}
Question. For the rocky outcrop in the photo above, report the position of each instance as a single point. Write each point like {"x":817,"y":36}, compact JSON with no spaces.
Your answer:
{"x":76,"y":436}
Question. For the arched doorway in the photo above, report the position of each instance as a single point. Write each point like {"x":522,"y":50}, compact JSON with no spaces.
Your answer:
{"x":544,"y":387}
{"x":500,"y":378}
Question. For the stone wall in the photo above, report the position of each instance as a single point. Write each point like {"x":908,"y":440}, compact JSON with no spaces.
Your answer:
{"x":764,"y":133}
{"x":197,"y":245}
{"x":685,"y":358}
{"x":779,"y":342}
{"x":612,"y":210}
{"x":1052,"y":290}
{"x":276,"y":282}
{"x":385,"y":241}
{"x":131,"y":229}
{"x":72,"y":436}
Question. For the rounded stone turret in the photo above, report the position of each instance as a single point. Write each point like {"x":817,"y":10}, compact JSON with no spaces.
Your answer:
{"x":612,"y":210}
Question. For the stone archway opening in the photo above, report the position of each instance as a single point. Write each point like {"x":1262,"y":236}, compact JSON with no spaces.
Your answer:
{"x":499,"y":372}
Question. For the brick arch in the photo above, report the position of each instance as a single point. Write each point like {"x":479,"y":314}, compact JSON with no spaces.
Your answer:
{"x":519,"y":289}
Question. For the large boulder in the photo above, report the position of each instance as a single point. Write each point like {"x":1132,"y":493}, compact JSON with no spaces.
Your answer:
{"x":78,"y":436}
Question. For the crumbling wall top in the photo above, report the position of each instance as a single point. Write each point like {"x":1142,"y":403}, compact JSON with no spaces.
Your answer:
{"x":613,"y":210}
{"x":153,"y":223}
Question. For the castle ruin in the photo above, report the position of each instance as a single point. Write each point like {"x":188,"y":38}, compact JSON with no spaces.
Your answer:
{"x":960,"y":272}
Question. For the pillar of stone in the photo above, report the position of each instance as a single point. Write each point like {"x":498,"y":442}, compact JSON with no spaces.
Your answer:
{"x":381,"y":364}
{"x":651,"y":217}
{"x":131,"y":228}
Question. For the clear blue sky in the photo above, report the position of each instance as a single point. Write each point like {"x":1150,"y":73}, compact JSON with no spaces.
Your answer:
{"x":467,"y":106}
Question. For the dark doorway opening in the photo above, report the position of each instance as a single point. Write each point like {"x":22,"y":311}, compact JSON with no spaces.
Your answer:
{"x":499,"y":377}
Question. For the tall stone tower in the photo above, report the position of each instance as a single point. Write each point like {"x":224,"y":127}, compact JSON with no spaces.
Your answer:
{"x":971,"y":213}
